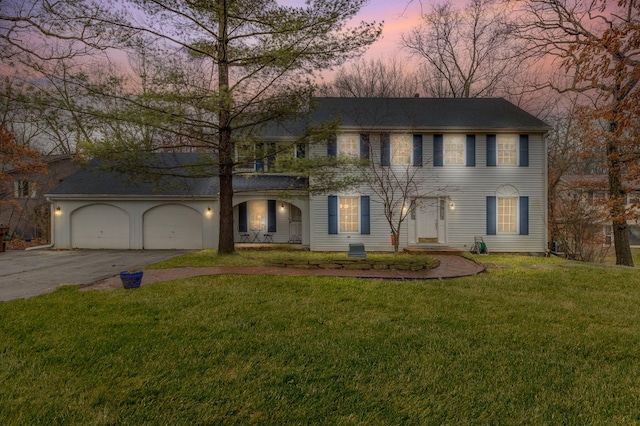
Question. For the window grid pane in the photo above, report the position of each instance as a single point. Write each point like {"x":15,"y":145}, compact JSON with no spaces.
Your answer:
{"x":349,"y":145}
{"x":401,"y":147}
{"x":507,"y":150}
{"x":507,"y":214}
{"x":349,"y":214}
{"x":454,"y":149}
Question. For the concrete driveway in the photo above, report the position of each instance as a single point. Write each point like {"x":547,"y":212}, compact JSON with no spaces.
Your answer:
{"x":29,"y":273}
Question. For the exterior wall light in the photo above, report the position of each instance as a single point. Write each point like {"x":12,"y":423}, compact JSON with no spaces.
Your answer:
{"x":452,"y":206}
{"x":58,"y":211}
{"x":209,"y":212}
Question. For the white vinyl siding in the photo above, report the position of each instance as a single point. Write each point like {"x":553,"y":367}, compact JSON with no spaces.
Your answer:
{"x":464,"y":188}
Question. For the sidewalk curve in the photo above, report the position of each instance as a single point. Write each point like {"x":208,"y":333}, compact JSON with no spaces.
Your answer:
{"x":450,"y":266}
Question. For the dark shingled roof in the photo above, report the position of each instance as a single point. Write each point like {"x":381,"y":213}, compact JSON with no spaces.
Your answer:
{"x":94,"y":180}
{"x":434,"y":114}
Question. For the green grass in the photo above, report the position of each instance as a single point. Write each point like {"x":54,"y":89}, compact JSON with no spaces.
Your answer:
{"x":512,"y":346}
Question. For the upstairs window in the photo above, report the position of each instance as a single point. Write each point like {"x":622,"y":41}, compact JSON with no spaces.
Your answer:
{"x":454,"y":149}
{"x":507,"y":150}
{"x":24,"y":189}
{"x":401,"y":148}
{"x":349,"y":145}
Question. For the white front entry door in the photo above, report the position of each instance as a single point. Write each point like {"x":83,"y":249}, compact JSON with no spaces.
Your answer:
{"x":427,"y":214}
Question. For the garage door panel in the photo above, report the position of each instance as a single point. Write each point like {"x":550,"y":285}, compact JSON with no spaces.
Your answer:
{"x":100,"y":226}
{"x":172,"y":226}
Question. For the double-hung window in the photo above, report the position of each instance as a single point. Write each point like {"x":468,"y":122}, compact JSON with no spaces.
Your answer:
{"x":349,"y":145}
{"x":454,"y":149}
{"x":507,"y":212}
{"x":507,"y":150}
{"x":349,"y":214}
{"x":401,"y":149}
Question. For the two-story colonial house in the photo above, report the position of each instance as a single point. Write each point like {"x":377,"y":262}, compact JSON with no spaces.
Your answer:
{"x":477,"y":168}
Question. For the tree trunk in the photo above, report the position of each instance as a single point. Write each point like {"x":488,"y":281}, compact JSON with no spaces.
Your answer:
{"x":618,"y":201}
{"x":225,"y":141}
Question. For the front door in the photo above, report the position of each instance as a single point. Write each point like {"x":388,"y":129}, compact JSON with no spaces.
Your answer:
{"x":295,"y":224}
{"x":427,"y":214}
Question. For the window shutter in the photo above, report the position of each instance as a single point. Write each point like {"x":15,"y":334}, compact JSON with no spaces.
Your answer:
{"x":364,"y":146}
{"x":333,"y":214}
{"x":365,"y":218}
{"x":385,"y":149}
{"x":524,"y":150}
{"x":417,"y":150}
{"x":491,"y":150}
{"x":271,"y":216}
{"x":16,"y":188}
{"x":491,"y":215}
{"x":332,"y":146}
{"x":242,"y":217}
{"x":471,"y":150}
{"x":271,"y":159}
{"x":438,"y":150}
{"x":260,"y":158}
{"x":524,"y":215}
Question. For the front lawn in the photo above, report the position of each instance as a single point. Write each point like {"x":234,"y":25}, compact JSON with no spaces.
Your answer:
{"x":512,"y":346}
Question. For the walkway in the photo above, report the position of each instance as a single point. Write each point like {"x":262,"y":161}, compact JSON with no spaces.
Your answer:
{"x":449,"y":267}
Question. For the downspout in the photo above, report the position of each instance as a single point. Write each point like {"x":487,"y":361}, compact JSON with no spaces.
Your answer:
{"x":53,"y":218}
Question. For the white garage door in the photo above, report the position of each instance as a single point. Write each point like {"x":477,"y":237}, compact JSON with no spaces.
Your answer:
{"x":172,"y":226}
{"x":100,"y":226}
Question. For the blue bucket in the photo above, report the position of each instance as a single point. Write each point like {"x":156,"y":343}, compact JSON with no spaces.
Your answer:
{"x":131,"y":279}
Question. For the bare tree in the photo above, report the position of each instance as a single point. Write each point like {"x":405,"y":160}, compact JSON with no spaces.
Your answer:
{"x":378,"y":77}
{"x":595,"y":46}
{"x":465,"y":53}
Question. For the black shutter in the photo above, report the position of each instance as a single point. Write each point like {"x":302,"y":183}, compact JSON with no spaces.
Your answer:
{"x":417,"y":150}
{"x":524,"y":215}
{"x":524,"y":150}
{"x":491,"y":215}
{"x":385,"y":149}
{"x":242,"y":217}
{"x":438,"y":150}
{"x":364,"y":146}
{"x":333,"y":214}
{"x":332,"y":147}
{"x":471,"y":150}
{"x":365,"y":218}
{"x":271,"y":215}
{"x":491,"y":151}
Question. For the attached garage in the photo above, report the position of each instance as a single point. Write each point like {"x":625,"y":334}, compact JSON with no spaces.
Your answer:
{"x":100,"y":226}
{"x":172,"y":226}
